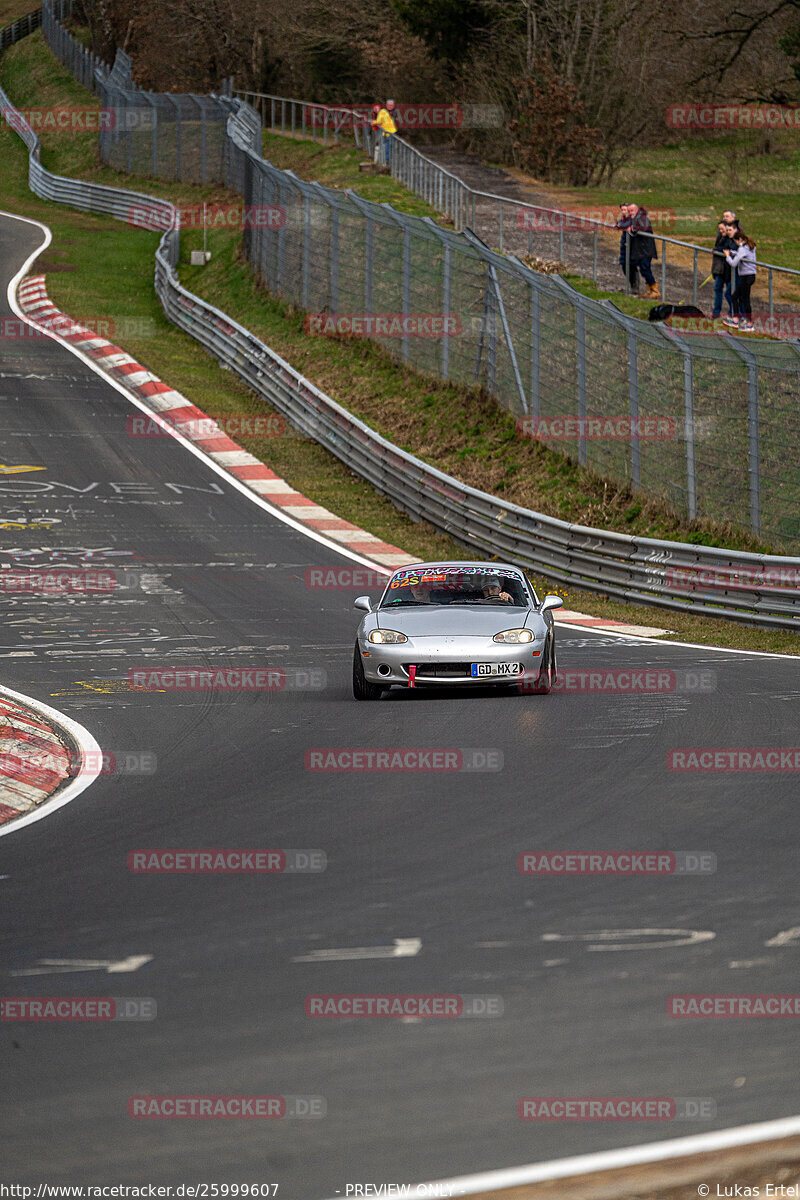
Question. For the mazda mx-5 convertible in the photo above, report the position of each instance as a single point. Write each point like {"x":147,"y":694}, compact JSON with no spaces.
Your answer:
{"x":455,"y":624}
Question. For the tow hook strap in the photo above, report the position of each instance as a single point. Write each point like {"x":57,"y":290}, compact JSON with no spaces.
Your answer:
{"x":412,"y":674}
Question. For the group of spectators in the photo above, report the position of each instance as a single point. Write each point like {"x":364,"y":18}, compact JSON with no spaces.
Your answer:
{"x":733,"y":251}
{"x":733,"y":262}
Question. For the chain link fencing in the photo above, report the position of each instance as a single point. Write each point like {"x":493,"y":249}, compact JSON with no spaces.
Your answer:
{"x":513,"y":225}
{"x":705,"y":423}
{"x":745,"y":587}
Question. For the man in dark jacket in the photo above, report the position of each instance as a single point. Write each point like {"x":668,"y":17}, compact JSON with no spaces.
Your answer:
{"x":643,"y":250}
{"x":720,"y":269}
{"x":623,"y":223}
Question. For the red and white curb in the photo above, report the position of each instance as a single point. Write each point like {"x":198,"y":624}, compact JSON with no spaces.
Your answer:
{"x":174,"y":409}
{"x":45,"y":760}
{"x":34,"y":761}
{"x":202,"y":430}
{"x":566,"y":616}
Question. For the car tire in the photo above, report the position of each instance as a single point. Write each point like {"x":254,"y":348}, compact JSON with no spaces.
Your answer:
{"x":362,"y":688}
{"x":547,"y":673}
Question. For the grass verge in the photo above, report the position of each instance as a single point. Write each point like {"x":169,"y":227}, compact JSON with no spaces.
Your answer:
{"x":454,"y":426}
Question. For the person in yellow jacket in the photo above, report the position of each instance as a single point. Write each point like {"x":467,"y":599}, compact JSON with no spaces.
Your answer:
{"x":386,"y":122}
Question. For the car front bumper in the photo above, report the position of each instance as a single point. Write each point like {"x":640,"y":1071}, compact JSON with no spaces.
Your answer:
{"x":446,"y":662}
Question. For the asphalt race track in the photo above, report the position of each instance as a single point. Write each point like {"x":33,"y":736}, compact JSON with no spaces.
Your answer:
{"x":410,"y":855}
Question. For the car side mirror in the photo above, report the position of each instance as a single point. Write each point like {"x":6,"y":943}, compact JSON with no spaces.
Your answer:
{"x":363,"y":602}
{"x":551,"y":601}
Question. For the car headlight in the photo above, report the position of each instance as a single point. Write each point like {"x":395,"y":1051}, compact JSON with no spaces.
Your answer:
{"x":513,"y":636}
{"x":387,"y":637}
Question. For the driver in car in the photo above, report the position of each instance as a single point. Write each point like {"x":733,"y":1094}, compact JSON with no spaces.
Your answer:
{"x":492,"y":591}
{"x":421,"y":592}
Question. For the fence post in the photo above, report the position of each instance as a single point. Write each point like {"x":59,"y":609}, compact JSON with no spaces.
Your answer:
{"x":369,"y":263}
{"x":580,"y":333}
{"x":334,"y":265}
{"x":306,"y":250}
{"x":688,"y":423}
{"x":536,"y":329}
{"x":633,"y":405}
{"x":446,"y":256}
{"x":750,"y":359}
{"x":281,"y":235}
{"x":406,"y":286}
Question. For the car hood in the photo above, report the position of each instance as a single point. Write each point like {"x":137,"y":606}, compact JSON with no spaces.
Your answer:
{"x":455,"y":620}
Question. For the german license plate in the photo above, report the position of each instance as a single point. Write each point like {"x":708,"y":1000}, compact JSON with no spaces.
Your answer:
{"x":496,"y":668}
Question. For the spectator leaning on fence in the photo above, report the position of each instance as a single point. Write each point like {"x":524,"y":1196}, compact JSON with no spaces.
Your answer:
{"x":642,"y":250}
{"x":375,"y":134}
{"x":624,"y":223}
{"x":720,"y":268}
{"x":386,"y":122}
{"x":743,"y":260}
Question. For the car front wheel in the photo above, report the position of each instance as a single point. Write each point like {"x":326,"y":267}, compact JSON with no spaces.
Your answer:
{"x":362,"y":688}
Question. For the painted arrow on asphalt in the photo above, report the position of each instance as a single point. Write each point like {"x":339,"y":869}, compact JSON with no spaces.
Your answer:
{"x":63,"y":966}
{"x":625,"y":939}
{"x":400,"y":948}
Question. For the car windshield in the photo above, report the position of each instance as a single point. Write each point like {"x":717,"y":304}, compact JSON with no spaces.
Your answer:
{"x":481,"y":587}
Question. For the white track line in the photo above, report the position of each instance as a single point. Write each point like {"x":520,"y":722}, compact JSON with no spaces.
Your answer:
{"x":190,"y":446}
{"x":610,"y":1160}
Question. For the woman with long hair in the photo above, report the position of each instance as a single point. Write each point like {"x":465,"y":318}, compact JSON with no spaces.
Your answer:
{"x":743,"y":261}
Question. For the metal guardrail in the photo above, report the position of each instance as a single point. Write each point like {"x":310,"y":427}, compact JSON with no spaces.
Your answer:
{"x":538,"y":229}
{"x":20,"y":28}
{"x":743,"y":587}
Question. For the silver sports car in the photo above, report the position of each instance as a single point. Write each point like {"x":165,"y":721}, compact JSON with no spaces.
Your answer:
{"x":464,"y":623}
